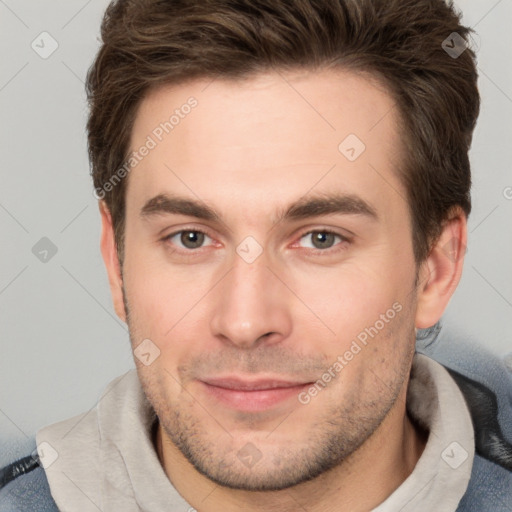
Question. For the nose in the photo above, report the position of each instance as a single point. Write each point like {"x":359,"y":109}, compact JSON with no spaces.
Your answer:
{"x":251,"y":305}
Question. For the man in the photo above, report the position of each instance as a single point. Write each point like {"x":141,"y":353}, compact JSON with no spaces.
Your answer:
{"x":284,"y":191}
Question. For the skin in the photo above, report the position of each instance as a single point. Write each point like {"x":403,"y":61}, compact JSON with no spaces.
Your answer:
{"x":248,"y":150}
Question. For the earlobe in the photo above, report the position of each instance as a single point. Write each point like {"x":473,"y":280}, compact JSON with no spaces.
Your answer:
{"x":111,"y":260}
{"x":440,"y":273}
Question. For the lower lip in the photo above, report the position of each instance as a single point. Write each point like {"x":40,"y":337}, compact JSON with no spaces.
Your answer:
{"x":253,"y":401}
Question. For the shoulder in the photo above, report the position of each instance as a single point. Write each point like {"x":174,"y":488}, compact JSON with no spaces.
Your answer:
{"x":24,"y":487}
{"x":485,"y":380}
{"x":490,"y":488}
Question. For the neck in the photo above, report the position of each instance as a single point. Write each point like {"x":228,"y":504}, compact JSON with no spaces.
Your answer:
{"x":360,"y":483}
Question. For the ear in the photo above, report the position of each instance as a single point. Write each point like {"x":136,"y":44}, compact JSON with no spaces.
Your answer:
{"x":111,"y":260}
{"x":440,"y":273}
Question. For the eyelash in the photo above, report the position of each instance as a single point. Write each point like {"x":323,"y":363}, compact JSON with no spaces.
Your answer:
{"x":330,"y":250}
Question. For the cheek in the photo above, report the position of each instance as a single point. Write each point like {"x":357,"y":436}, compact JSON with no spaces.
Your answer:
{"x":166,"y":304}
{"x":149,"y":298}
{"x":354,"y":297}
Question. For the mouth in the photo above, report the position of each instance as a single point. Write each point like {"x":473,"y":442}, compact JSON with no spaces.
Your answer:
{"x":252,"y":395}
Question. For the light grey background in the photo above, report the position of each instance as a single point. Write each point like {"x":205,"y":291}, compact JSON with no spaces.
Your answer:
{"x":60,"y":340}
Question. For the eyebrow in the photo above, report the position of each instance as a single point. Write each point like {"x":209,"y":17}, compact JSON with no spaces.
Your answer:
{"x":304,"y":208}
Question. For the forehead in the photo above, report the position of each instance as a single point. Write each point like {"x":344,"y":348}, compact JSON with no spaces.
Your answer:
{"x":270,"y":136}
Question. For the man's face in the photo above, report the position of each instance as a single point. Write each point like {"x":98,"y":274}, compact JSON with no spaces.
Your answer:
{"x":243,"y":336}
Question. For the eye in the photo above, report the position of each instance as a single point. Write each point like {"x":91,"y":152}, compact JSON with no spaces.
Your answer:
{"x":322,"y":239}
{"x":188,"y":239}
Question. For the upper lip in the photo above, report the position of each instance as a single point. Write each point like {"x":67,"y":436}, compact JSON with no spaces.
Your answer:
{"x":241,"y":384}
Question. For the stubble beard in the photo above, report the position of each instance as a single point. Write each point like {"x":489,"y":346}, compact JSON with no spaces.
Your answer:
{"x":327,"y":443}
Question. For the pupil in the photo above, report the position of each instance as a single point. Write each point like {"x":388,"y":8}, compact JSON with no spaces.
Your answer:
{"x":192,"y":239}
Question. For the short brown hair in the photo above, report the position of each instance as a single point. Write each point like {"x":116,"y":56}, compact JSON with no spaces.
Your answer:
{"x":147,"y":43}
